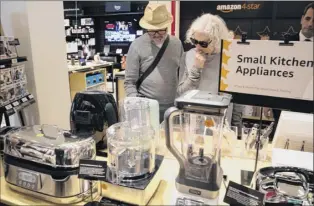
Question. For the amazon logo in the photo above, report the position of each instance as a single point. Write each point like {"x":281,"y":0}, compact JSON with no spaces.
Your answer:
{"x":228,"y":8}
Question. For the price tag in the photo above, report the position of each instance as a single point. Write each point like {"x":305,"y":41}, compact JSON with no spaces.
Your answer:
{"x":30,"y":96}
{"x":92,"y":170}
{"x":14,"y":61}
{"x":8,"y":107}
{"x":24,"y":99}
{"x":16,"y":104}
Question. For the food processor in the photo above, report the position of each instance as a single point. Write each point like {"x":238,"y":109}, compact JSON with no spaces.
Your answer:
{"x":132,"y":167}
{"x":202,"y":116}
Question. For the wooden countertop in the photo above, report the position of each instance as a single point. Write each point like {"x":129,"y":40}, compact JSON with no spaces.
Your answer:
{"x":166,"y":191}
{"x":88,"y":65}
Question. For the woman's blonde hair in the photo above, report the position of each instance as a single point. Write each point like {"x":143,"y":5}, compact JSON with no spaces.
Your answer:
{"x":211,"y":25}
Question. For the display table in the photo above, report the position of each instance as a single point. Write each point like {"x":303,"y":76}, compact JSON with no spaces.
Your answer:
{"x":166,"y":191}
{"x":80,"y":77}
{"x":89,"y":65}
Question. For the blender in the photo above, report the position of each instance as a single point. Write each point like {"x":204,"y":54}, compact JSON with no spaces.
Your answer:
{"x":132,"y":167}
{"x":202,"y":116}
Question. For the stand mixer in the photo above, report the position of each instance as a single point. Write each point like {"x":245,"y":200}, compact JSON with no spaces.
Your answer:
{"x":201,"y":117}
{"x":132,"y":168}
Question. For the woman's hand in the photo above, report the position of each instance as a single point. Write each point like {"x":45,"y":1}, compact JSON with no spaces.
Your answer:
{"x":199,"y":61}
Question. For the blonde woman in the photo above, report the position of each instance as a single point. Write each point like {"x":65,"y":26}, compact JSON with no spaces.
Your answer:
{"x":199,"y":68}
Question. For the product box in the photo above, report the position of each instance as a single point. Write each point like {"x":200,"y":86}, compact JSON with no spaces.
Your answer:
{"x":7,"y":95}
{"x":18,"y":73}
{"x":7,"y":47}
{"x":5,"y":77}
{"x":20,"y":90}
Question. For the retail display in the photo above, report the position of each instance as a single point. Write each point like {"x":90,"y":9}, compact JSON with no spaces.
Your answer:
{"x":203,"y":116}
{"x":12,"y":76}
{"x":92,"y":112}
{"x":43,"y":160}
{"x":121,"y":31}
{"x":7,"y":47}
{"x":285,"y":185}
{"x":133,"y":168}
{"x":80,"y":36}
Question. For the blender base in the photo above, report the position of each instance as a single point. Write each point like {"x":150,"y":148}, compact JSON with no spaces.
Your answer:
{"x":181,"y":199}
{"x":197,"y":192}
{"x":140,"y":195}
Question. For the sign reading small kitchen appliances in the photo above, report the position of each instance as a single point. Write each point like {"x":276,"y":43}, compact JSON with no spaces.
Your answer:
{"x":267,"y":68}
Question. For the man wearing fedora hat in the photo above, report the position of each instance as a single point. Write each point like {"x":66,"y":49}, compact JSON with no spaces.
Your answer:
{"x":153,"y":59}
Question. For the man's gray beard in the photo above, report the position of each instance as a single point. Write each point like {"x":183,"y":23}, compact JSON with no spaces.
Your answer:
{"x":308,"y":33}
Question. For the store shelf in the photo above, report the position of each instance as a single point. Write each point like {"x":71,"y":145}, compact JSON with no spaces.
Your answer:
{"x":6,"y":63}
{"x":257,"y":118}
{"x":17,"y":105}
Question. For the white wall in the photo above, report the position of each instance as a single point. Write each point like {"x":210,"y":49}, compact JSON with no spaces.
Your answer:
{"x":40,"y":28}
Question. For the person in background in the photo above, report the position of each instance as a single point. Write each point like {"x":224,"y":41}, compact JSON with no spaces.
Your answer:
{"x":200,"y":66}
{"x":306,"y":34}
{"x":161,"y":83}
{"x":307,"y":21}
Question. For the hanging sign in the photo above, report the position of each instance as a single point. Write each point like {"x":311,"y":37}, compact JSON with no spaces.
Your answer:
{"x":267,"y":68}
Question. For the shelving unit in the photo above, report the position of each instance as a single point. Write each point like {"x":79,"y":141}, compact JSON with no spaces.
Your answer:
{"x":73,"y":36}
{"x":7,"y":63}
{"x":14,"y":94}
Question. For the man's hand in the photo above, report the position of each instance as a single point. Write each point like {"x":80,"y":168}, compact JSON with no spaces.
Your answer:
{"x":199,"y":60}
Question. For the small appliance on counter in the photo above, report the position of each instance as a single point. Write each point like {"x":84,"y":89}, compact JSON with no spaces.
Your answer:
{"x":202,"y":116}
{"x":92,"y":112}
{"x":148,"y":114}
{"x":43,"y":161}
{"x":3,"y":132}
{"x":285,"y":185}
{"x":133,"y":173}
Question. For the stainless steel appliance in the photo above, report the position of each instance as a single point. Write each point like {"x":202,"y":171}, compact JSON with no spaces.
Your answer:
{"x":133,"y":168}
{"x":43,"y":161}
{"x":202,"y":116}
{"x":285,"y":185}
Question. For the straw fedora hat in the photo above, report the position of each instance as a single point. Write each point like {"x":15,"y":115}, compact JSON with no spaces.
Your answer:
{"x":156,"y":17}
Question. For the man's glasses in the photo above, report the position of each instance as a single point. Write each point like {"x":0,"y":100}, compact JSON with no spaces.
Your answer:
{"x":203,"y":44}
{"x":160,"y":32}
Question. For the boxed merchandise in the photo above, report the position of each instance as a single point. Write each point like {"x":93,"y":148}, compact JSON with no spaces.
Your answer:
{"x":20,"y":90}
{"x":5,"y":77}
{"x":7,"y":48}
{"x":7,"y":95}
{"x":18,"y":73}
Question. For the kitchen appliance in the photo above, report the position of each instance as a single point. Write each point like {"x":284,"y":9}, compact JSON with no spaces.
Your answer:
{"x":43,"y":161}
{"x":201,"y":115}
{"x":285,"y":185}
{"x":92,"y":112}
{"x":141,"y":111}
{"x":133,"y":167}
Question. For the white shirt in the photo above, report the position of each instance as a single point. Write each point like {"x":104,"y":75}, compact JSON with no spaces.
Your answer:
{"x":302,"y":37}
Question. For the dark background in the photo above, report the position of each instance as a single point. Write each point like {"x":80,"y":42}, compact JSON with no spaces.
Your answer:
{"x":97,"y":11}
{"x":277,"y":15}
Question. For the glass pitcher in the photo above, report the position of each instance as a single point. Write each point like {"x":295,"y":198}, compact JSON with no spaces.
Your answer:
{"x":202,"y":116}
{"x":131,"y":152}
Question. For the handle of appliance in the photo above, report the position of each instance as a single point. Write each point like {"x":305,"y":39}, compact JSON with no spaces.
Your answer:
{"x":169,"y":114}
{"x":50,"y":131}
{"x":62,"y":179}
{"x":292,"y":169}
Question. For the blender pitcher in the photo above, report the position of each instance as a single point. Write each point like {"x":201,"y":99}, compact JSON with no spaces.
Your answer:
{"x":202,"y":116}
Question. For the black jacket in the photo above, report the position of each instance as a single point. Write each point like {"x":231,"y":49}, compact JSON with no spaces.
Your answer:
{"x":295,"y":37}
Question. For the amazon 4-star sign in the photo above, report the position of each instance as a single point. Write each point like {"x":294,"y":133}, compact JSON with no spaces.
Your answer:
{"x":267,"y":68}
